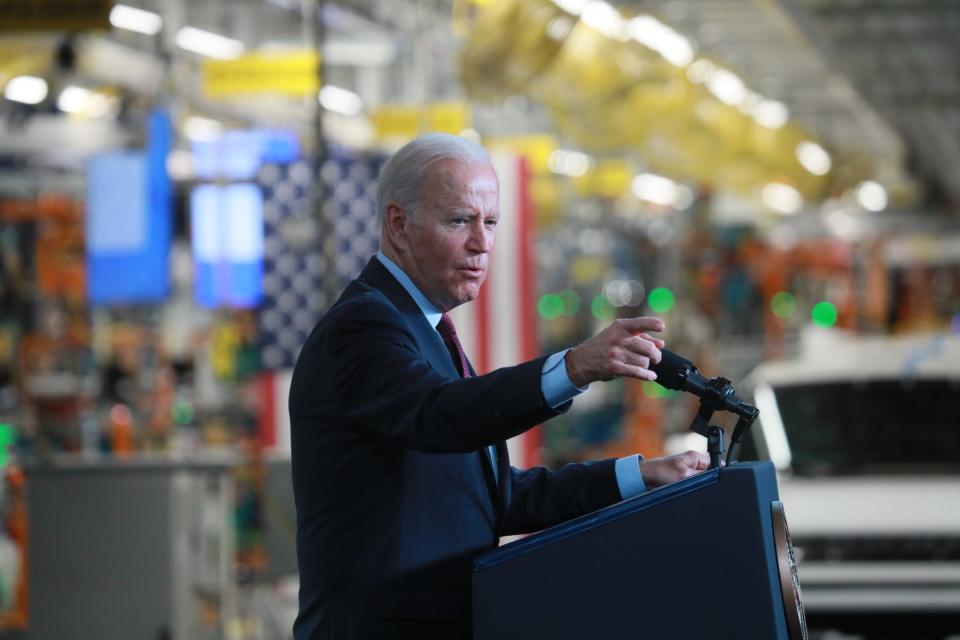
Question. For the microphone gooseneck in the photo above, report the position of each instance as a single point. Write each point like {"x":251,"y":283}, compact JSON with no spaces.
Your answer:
{"x":716,"y":394}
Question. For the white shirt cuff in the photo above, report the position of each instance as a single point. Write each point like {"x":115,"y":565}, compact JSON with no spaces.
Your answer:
{"x":628,"y":476}
{"x":555,"y":383}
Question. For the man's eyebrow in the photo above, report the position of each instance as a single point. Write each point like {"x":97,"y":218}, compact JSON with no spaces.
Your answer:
{"x":466,"y":212}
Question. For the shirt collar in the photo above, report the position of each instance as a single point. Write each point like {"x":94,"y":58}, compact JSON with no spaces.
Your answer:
{"x":429,"y":310}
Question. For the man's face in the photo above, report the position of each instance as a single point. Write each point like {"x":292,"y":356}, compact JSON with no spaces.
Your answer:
{"x":449,"y":239}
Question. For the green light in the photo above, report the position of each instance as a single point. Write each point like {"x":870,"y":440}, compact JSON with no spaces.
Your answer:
{"x":550,"y":306}
{"x":824,"y":314}
{"x":182,"y":413}
{"x":602,"y":310}
{"x":571,"y":302}
{"x":660,"y":299}
{"x":783,"y":304}
{"x":7,"y":438}
{"x":654,"y":390}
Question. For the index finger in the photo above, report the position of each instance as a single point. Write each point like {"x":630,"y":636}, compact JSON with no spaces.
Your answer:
{"x":657,"y":341}
{"x":642,"y":323}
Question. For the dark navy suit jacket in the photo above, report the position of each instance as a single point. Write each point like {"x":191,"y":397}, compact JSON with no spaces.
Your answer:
{"x":394,"y":492}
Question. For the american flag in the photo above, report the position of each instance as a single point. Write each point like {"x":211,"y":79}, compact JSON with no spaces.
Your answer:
{"x":293,"y":263}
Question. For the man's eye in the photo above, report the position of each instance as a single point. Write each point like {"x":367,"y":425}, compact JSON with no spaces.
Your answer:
{"x":491,"y":222}
{"x":458,"y":221}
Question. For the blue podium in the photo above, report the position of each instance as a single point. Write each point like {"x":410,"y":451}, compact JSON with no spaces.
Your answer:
{"x":707,"y":557}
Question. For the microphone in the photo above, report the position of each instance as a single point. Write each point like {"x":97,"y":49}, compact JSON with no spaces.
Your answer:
{"x":676,"y":372}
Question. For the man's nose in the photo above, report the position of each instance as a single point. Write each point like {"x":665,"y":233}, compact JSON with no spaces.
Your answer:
{"x":481,"y":237}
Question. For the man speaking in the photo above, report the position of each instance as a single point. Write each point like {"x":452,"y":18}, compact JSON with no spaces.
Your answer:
{"x":400,"y":469}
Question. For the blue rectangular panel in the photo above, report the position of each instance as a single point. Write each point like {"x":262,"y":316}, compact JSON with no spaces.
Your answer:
{"x":117,"y":206}
{"x":128,"y":225}
{"x":239,"y":154}
{"x":227,"y":239}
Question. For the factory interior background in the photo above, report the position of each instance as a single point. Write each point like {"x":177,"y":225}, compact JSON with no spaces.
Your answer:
{"x":186,"y":187}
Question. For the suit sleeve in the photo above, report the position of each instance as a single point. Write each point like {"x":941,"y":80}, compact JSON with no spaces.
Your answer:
{"x":541,"y":498}
{"x":385,"y":387}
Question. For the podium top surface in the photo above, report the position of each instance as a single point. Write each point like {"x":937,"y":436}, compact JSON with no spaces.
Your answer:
{"x":598,"y":518}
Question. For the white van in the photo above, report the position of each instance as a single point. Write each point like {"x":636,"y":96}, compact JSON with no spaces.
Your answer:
{"x":865,"y":435}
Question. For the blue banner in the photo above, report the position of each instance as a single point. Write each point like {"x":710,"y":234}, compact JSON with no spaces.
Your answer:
{"x":129,"y":220}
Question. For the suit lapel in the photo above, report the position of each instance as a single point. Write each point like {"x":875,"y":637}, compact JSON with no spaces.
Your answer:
{"x":428,"y":340}
{"x":432,"y":347}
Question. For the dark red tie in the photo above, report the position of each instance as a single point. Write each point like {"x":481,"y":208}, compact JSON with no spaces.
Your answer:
{"x":449,"y":334}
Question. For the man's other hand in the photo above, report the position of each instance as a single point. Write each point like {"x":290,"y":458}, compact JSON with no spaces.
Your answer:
{"x":657,"y":472}
{"x":622,"y":349}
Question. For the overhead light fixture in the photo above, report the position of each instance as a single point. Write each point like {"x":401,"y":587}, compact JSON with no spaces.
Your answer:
{"x":650,"y":32}
{"x":572,"y":6}
{"x":199,"y":129}
{"x":79,"y":100}
{"x":814,"y":158}
{"x":782,"y":198}
{"x":133,"y":19}
{"x":749,"y":102}
{"x":604,"y":18}
{"x":872,"y":196}
{"x":656,"y":189}
{"x":339,"y":100}
{"x":727,"y":87}
{"x":73,"y":100}
{"x":621,"y":293}
{"x":569,"y":163}
{"x":700,"y":71}
{"x":26,"y":89}
{"x":207,"y":43}
{"x":364,"y":53}
{"x":559,"y":28}
{"x":842,"y":224}
{"x":180,"y":164}
{"x":770,"y":114}
{"x":684,"y":197}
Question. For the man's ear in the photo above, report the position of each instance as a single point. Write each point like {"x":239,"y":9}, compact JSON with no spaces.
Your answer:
{"x":397,"y":224}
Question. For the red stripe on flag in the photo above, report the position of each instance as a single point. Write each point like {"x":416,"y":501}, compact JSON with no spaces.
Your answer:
{"x":528,"y":320}
{"x":267,"y":424}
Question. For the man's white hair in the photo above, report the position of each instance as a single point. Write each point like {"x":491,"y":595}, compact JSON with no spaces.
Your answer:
{"x":402,"y":177}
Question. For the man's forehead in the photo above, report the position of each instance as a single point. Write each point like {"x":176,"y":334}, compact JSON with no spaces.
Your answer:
{"x":458,"y":172}
{"x":466,"y":189}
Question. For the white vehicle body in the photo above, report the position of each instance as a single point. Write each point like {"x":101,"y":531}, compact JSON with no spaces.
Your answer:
{"x":876,"y":534}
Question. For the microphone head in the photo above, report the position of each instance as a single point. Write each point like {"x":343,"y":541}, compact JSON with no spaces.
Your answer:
{"x":672,"y":370}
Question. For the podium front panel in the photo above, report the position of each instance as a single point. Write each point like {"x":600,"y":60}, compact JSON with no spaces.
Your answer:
{"x":695,"y":559}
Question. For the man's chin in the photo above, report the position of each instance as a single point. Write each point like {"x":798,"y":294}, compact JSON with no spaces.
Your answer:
{"x":465,"y":295}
